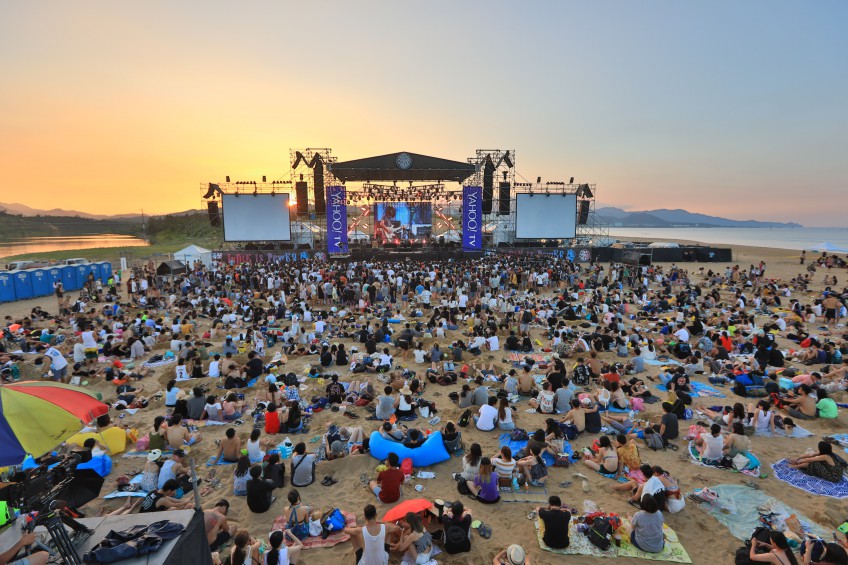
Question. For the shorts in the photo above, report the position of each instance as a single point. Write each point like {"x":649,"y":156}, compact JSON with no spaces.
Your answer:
{"x":220,"y":540}
{"x":60,"y":374}
{"x":830,"y":314}
{"x":91,"y":353}
{"x":377,"y":490}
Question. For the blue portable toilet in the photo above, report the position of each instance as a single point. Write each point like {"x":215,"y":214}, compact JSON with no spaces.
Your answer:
{"x":82,"y":272}
{"x":105,"y":271}
{"x":41,"y":285}
{"x":7,"y":288}
{"x":54,"y":274}
{"x":23,"y":284}
{"x":95,"y":268}
{"x":69,"y":278}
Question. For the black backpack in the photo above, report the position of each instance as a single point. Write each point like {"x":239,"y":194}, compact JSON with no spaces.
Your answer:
{"x":580,"y":376}
{"x":527,"y":317}
{"x":599,"y":533}
{"x":464,"y":419}
{"x":455,"y":535}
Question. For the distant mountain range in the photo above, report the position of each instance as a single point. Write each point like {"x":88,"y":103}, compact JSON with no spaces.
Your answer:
{"x":24,"y":210}
{"x":664,"y":218}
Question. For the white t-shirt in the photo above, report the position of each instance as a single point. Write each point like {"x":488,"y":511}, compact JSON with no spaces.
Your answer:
{"x":683,"y":335}
{"x":58,"y":361}
{"x":182,"y":373}
{"x":653,"y":486}
{"x":79,"y":353}
{"x":419,"y":355}
{"x":88,"y":341}
{"x":385,"y":359}
{"x":713,"y":446}
{"x":215,"y":369}
{"x":488,"y":415}
{"x":494,"y":343}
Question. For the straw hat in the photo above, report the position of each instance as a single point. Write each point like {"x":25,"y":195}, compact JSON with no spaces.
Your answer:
{"x":515,"y":554}
{"x":154,"y":455}
{"x":405,"y":390}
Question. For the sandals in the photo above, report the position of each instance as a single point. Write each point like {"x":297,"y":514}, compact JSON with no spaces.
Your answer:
{"x":329,"y":481}
{"x":485,"y":531}
{"x":673,"y":447}
{"x":350,"y":415}
{"x":565,"y":484}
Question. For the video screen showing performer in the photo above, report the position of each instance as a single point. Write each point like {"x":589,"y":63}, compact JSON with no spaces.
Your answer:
{"x":396,"y":222}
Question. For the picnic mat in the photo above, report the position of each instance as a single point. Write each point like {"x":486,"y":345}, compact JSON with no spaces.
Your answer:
{"x":534,"y":494}
{"x":813,"y":485}
{"x":699,"y":389}
{"x":131,"y":454}
{"x":798,"y":433}
{"x":744,"y":517}
{"x":842,"y":439}
{"x":696,"y":459}
{"x":673,"y":550}
{"x":578,"y":544}
{"x":519,"y":357}
{"x":515,"y":445}
{"x":158,"y":363}
{"x":317,"y":541}
{"x":219,"y":461}
{"x":136,"y":480}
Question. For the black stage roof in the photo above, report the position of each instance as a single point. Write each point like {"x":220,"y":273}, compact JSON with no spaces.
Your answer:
{"x":402,"y":166}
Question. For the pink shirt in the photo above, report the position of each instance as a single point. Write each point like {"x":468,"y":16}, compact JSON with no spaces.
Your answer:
{"x":803,"y":380}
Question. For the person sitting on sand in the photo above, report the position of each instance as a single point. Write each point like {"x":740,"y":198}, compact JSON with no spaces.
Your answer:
{"x":298,"y":516}
{"x":605,"y":461}
{"x":646,"y":526}
{"x":763,"y":419}
{"x":259,"y":497}
{"x":823,"y":465}
{"x":803,"y":405}
{"x":484,"y":487}
{"x":245,"y":549}
{"x":279,"y":553}
{"x":710,"y":445}
{"x":533,"y":468}
{"x":178,"y":435}
{"x":457,"y":527}
{"x":556,"y":520}
{"x":218,"y":529}
{"x":415,"y":541}
{"x":737,"y":442}
{"x":776,"y":551}
{"x":230,"y":446}
{"x":163,"y":499}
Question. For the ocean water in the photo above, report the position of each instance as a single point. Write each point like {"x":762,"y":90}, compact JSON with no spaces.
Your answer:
{"x":777,"y":238}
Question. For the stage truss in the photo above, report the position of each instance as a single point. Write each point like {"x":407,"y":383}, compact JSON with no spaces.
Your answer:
{"x":313,"y":165}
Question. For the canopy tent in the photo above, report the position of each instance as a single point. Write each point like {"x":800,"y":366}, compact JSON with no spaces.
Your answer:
{"x":192,"y":253}
{"x":170,"y":268}
{"x":402,"y":166}
{"x":828,"y":247}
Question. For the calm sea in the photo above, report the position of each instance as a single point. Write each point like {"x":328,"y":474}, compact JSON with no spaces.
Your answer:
{"x":778,"y":238}
{"x":45,"y":244}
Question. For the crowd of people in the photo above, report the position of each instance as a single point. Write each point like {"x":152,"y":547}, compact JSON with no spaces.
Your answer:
{"x":383,"y":336}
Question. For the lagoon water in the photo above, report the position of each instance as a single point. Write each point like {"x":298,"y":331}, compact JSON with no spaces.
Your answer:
{"x":44,"y":244}
{"x":777,"y":238}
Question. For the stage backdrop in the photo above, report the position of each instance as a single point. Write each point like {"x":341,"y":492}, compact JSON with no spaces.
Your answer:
{"x":336,"y":219}
{"x":472,"y":218}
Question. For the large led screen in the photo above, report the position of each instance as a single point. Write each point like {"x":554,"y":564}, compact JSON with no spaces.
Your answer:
{"x":541,"y":216}
{"x":402,"y":221}
{"x":256,"y":218}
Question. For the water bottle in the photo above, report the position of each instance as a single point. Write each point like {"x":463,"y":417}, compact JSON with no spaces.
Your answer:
{"x":631,"y":415}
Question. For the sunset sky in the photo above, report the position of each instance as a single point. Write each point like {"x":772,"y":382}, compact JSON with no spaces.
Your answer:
{"x":737,"y":109}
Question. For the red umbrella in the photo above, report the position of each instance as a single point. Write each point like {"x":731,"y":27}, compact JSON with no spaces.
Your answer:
{"x":402,"y":509}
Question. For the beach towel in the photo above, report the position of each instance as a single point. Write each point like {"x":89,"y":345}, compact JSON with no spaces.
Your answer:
{"x":533,"y":494}
{"x":659,"y":363}
{"x":136,"y":480}
{"x":813,"y":485}
{"x":219,"y":461}
{"x":158,"y":363}
{"x":744,"y":517}
{"x":673,"y":550}
{"x":578,"y":544}
{"x":318,"y":542}
{"x":696,"y":459}
{"x":132,"y":454}
{"x":515,"y":445}
{"x":519,"y":357}
{"x":797,"y":433}
{"x":699,"y":389}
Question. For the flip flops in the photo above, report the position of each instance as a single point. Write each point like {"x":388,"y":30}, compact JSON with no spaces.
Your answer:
{"x":328,"y":481}
{"x":350,"y":415}
{"x":485,"y":531}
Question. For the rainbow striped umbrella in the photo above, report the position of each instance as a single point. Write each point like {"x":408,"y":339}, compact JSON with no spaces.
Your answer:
{"x":35,"y":417}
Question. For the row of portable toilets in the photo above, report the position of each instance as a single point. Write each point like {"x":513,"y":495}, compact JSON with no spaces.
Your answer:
{"x":34,"y":283}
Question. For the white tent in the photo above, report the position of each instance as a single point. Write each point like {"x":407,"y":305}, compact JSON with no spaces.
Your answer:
{"x":194,"y":253}
{"x":664,"y":245}
{"x":828,"y":247}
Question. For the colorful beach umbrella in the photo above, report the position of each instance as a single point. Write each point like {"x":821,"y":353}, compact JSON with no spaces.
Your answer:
{"x":35,"y":417}
{"x":400,"y":510}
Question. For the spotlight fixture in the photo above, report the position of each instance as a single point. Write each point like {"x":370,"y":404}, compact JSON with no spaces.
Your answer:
{"x":571,"y":181}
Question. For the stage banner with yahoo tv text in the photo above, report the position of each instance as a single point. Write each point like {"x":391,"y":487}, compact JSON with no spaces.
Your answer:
{"x":472,"y":218}
{"x":336,"y":219}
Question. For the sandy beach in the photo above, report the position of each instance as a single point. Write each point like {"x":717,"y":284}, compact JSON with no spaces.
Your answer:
{"x":704,"y":538}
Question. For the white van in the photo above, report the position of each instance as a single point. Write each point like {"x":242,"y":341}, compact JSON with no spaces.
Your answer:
{"x":74,"y":261}
{"x":18,"y":265}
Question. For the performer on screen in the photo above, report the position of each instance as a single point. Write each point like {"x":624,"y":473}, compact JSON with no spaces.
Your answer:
{"x":386,"y":227}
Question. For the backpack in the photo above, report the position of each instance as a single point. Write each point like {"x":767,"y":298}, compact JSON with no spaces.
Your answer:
{"x":581,"y":375}
{"x":464,"y":419}
{"x":527,"y":317}
{"x":455,"y":535}
{"x":570,"y":431}
{"x":654,"y":441}
{"x":599,"y":533}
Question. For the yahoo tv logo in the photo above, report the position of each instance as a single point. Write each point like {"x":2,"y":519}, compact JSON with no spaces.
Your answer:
{"x":471,"y":230}
{"x":338,"y":219}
